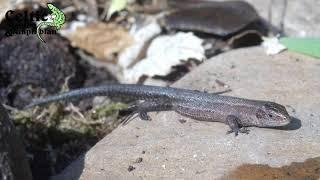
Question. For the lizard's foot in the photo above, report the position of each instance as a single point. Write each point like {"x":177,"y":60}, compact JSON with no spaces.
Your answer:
{"x":232,"y":131}
{"x":243,"y":130}
{"x":142,"y":109}
{"x":232,"y":121}
{"x":144,"y":116}
{"x":125,"y":120}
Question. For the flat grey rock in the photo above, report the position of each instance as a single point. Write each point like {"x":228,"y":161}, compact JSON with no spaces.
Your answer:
{"x":198,"y":149}
{"x":300,"y":18}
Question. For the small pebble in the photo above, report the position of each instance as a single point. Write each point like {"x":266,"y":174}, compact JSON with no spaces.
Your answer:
{"x":182,"y":121}
{"x":138,"y":160}
{"x":131,"y":168}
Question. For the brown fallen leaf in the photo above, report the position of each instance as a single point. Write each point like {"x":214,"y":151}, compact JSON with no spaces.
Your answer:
{"x":101,"y":39}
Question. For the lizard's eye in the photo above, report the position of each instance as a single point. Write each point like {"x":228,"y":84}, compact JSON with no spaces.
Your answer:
{"x":270,"y":115}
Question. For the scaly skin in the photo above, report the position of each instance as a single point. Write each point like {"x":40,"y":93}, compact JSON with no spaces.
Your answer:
{"x":58,"y":20}
{"x":233,"y":111}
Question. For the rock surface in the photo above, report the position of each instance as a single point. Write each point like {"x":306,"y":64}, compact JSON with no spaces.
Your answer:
{"x":218,"y":18}
{"x":27,"y":62}
{"x":172,"y":146}
{"x":299,"y":18}
{"x":13,"y":157}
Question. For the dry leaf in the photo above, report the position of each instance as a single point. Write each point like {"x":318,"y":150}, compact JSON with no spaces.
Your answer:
{"x":101,"y":39}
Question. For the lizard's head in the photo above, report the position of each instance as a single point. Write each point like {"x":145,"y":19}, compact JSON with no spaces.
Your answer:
{"x":272,"y":114}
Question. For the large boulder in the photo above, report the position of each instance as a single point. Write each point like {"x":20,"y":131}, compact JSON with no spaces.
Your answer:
{"x":172,"y":146}
{"x":13,"y":157}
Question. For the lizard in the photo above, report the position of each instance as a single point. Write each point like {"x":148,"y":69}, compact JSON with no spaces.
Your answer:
{"x":237,"y":113}
{"x":57,"y":22}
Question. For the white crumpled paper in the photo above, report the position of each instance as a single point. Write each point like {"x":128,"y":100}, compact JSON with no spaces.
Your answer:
{"x":272,"y":45}
{"x":165,"y":52}
{"x":141,"y":37}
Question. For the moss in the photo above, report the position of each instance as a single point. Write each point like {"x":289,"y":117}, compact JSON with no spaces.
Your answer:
{"x":55,"y":135}
{"x":107,"y":110}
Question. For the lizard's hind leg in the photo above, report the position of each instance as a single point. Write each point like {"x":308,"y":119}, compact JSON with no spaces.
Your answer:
{"x":141,"y":109}
{"x":235,"y":128}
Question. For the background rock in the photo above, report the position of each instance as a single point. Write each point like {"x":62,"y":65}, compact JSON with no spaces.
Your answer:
{"x":172,"y":146}
{"x":27,"y":62}
{"x":13,"y":160}
{"x":218,"y":18}
{"x":299,"y":18}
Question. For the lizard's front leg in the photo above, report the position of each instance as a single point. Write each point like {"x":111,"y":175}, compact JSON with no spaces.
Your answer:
{"x":235,"y":126}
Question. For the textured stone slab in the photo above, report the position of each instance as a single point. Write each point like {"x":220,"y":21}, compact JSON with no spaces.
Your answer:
{"x":299,"y":18}
{"x":170,"y":148}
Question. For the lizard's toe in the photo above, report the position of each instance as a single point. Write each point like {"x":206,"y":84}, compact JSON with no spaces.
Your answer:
{"x":144,"y":116}
{"x":125,"y":120}
{"x":244,"y":130}
{"x":236,"y":132}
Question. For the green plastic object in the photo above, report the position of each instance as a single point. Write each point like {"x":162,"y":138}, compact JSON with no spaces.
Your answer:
{"x":308,"y":46}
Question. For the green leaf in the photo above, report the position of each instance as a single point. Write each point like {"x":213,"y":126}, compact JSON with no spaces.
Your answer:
{"x":308,"y":46}
{"x":116,"y":6}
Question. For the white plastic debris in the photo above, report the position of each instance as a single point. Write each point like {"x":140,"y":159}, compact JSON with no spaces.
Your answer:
{"x":272,"y":45}
{"x":165,"y":52}
{"x":141,"y":37}
{"x":70,"y":27}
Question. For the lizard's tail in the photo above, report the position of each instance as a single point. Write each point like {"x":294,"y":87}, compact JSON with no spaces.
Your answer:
{"x":38,"y":31}
{"x":131,"y":91}
{"x":74,"y":94}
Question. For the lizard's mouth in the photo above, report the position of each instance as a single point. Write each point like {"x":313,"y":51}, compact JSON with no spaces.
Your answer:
{"x":283,"y":122}
{"x":277,"y":123}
